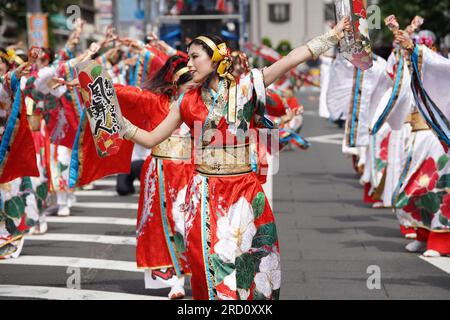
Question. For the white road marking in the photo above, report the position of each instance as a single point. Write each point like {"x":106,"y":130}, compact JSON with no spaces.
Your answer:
{"x":86,"y":263}
{"x":328,"y":139}
{"x":442,"y":263}
{"x":94,"y":238}
{"x":54,"y":293}
{"x":107,"y":205}
{"x":310,"y":113}
{"x":99,"y":193}
{"x":112,"y":183}
{"x":93,"y":220}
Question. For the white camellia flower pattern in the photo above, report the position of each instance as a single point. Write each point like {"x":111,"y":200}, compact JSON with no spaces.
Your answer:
{"x":31,"y":208}
{"x":364,"y":27}
{"x":230,"y":281}
{"x":244,"y":294}
{"x":235,"y":231}
{"x":269,"y":277}
{"x":178,"y":211}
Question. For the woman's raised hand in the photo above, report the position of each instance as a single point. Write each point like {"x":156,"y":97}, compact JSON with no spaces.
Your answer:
{"x":343,"y":25}
{"x":402,"y":38}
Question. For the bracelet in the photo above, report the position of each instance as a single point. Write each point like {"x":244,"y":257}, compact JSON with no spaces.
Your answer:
{"x":262,"y":75}
{"x":135,"y":129}
{"x":129,"y":130}
{"x":334,"y":32}
{"x":323,"y":43}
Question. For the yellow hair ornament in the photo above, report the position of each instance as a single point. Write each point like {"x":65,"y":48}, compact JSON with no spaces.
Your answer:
{"x":179,"y":73}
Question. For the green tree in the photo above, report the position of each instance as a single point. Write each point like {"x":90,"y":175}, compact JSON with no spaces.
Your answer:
{"x":267,"y":42}
{"x":284,"y":47}
{"x":17,"y":10}
{"x":435,"y":12}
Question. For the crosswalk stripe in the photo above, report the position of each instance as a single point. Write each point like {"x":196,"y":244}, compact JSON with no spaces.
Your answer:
{"x":54,"y":293}
{"x":442,"y":263}
{"x":330,"y":136}
{"x":107,"y":205}
{"x":99,"y":193}
{"x":49,"y":261}
{"x":93,"y":220}
{"x":328,"y":139}
{"x":311,"y":113}
{"x":94,"y":238}
{"x":112,"y":183}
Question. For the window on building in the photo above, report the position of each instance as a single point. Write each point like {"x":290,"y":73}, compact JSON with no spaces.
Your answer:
{"x":279,"y":12}
{"x":88,"y":11}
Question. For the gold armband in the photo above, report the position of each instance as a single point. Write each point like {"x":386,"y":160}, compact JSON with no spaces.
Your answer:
{"x":323,"y":43}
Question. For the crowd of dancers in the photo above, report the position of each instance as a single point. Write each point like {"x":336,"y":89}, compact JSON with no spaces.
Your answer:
{"x":205,"y":208}
{"x":396,"y":117}
{"x":210,"y":214}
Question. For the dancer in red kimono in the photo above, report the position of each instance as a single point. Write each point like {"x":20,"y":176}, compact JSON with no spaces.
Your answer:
{"x":231,"y":239}
{"x":165,"y":175}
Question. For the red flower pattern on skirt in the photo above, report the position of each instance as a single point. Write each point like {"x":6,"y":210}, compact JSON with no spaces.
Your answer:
{"x":412,"y":209}
{"x":445,"y":208}
{"x":384,"y":148}
{"x":424,"y":180}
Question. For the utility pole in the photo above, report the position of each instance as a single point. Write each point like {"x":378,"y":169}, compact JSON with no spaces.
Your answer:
{"x":242,"y":23}
{"x":114,"y":15}
{"x":34,"y":6}
{"x":37,"y":24}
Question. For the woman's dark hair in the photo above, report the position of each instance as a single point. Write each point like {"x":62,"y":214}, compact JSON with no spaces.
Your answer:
{"x":50,"y":53}
{"x":217,"y":40}
{"x":116,"y":58}
{"x":161,"y":83}
{"x":2,"y":58}
{"x":23,"y":56}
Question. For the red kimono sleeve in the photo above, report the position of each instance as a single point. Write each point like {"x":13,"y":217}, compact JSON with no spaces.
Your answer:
{"x":182,"y":54}
{"x":143,"y":108}
{"x":17,"y":151}
{"x":275,"y":104}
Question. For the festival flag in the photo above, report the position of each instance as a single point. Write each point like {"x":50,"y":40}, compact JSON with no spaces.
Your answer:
{"x":355,"y":46}
{"x":220,"y":5}
{"x":268,"y":54}
{"x":103,"y":110}
{"x":177,"y":8}
{"x":86,"y":165}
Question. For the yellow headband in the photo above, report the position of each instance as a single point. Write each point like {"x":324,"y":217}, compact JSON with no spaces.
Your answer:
{"x":219,"y":52}
{"x":179,"y":73}
{"x":18,"y":60}
{"x":12,"y":57}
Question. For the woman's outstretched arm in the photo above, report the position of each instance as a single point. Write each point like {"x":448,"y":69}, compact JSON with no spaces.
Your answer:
{"x":306,"y":52}
{"x":150,"y":139}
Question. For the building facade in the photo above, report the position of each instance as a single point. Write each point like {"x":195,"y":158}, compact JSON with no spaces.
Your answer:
{"x":296,"y":21}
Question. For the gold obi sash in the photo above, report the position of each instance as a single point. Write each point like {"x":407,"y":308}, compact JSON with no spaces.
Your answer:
{"x":417,"y":122}
{"x":224,"y":160}
{"x":35,"y":122}
{"x":34,"y":119}
{"x":176,"y":147}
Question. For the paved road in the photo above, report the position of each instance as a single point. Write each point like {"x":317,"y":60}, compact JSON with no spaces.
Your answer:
{"x":328,"y":238}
